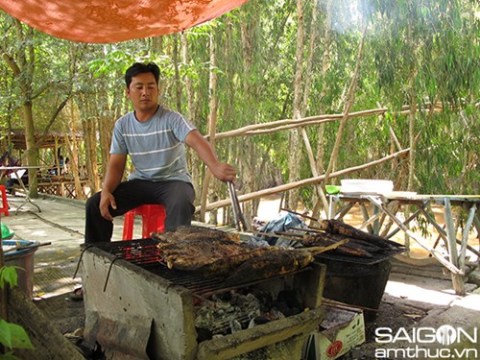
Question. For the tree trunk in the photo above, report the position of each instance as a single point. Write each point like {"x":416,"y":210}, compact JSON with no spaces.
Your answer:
{"x":349,"y":100}
{"x":32,"y":149}
{"x":306,"y":93}
{"x":212,"y":120}
{"x":90,"y":132}
{"x":176,"y":64}
{"x":246,"y":157}
{"x":22,"y":65}
{"x":188,"y":82}
{"x":294,"y":136}
{"x":157,"y":45}
{"x":73,"y":150}
{"x":326,"y":63}
{"x":411,"y":132}
{"x":193,"y":159}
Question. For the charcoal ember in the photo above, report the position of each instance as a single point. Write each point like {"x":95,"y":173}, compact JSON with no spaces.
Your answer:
{"x":264,"y":297}
{"x":221,"y":317}
{"x":289,"y":297}
{"x":287,"y":303}
{"x":241,"y":309}
{"x":223,"y":296}
{"x":235,"y":326}
{"x":203,"y":334}
{"x":240,"y":300}
{"x":286,"y":310}
{"x":274,"y":314}
{"x":259,"y":320}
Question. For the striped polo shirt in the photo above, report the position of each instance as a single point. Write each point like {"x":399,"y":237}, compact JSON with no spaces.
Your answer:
{"x":156,"y":146}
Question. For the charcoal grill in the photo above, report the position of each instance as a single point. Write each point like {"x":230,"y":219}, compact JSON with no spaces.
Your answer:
{"x":354,"y":279}
{"x":359,"y":281}
{"x":131,"y":294}
{"x":146,"y":254}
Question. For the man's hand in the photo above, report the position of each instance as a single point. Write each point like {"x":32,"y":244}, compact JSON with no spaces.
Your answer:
{"x":223,"y":172}
{"x":113,"y":177}
{"x":106,"y":200}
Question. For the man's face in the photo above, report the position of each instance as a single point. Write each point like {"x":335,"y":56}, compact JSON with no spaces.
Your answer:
{"x":143,"y":92}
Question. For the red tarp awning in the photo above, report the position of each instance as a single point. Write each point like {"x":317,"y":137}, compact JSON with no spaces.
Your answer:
{"x":107,"y":21}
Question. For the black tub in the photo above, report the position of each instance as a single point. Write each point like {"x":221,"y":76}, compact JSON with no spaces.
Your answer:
{"x":357,"y":283}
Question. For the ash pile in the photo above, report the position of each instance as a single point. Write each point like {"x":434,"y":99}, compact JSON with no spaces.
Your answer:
{"x":236,"y":310}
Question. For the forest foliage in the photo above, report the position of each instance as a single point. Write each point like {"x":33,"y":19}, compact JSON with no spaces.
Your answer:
{"x":268,"y":61}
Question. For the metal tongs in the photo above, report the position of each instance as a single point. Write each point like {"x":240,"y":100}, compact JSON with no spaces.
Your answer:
{"x":240,"y":222}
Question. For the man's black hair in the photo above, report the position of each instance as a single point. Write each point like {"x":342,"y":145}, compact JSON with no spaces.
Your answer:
{"x":140,"y":68}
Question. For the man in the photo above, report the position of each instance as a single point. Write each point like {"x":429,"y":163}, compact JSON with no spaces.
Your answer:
{"x":14,"y":180}
{"x":7,"y":160}
{"x":154,"y":137}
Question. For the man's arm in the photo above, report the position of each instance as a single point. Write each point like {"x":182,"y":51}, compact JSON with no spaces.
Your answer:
{"x":113,"y":177}
{"x":221,"y":171}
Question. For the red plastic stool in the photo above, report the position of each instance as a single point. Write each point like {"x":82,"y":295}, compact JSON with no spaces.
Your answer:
{"x":153,"y":220}
{"x":4,"y":205}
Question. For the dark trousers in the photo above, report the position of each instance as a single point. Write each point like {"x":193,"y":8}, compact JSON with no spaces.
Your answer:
{"x":176,"y":196}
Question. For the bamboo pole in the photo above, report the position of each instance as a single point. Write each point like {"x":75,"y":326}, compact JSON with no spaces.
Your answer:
{"x":346,"y":109}
{"x":287,"y":124}
{"x":212,"y":122}
{"x":304,"y":182}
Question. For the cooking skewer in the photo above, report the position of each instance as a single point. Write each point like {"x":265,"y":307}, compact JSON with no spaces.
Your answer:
{"x":234,"y":207}
{"x":240,"y":222}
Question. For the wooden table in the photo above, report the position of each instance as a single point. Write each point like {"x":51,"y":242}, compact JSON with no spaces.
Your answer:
{"x":19,"y":171}
{"x":386,"y":206}
{"x":59,"y":186}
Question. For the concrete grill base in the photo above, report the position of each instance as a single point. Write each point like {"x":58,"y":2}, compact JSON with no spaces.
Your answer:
{"x":141,"y":315}
{"x":281,"y":339}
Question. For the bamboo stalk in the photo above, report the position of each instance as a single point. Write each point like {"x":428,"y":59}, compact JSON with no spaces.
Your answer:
{"x":284,"y":124}
{"x":350,"y":99}
{"x":300,"y":183}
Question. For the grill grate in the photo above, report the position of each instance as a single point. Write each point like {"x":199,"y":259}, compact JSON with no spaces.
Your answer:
{"x":145,"y":254}
{"x":138,"y":252}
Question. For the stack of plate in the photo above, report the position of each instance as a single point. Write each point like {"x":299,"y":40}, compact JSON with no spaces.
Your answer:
{"x":366,"y":186}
